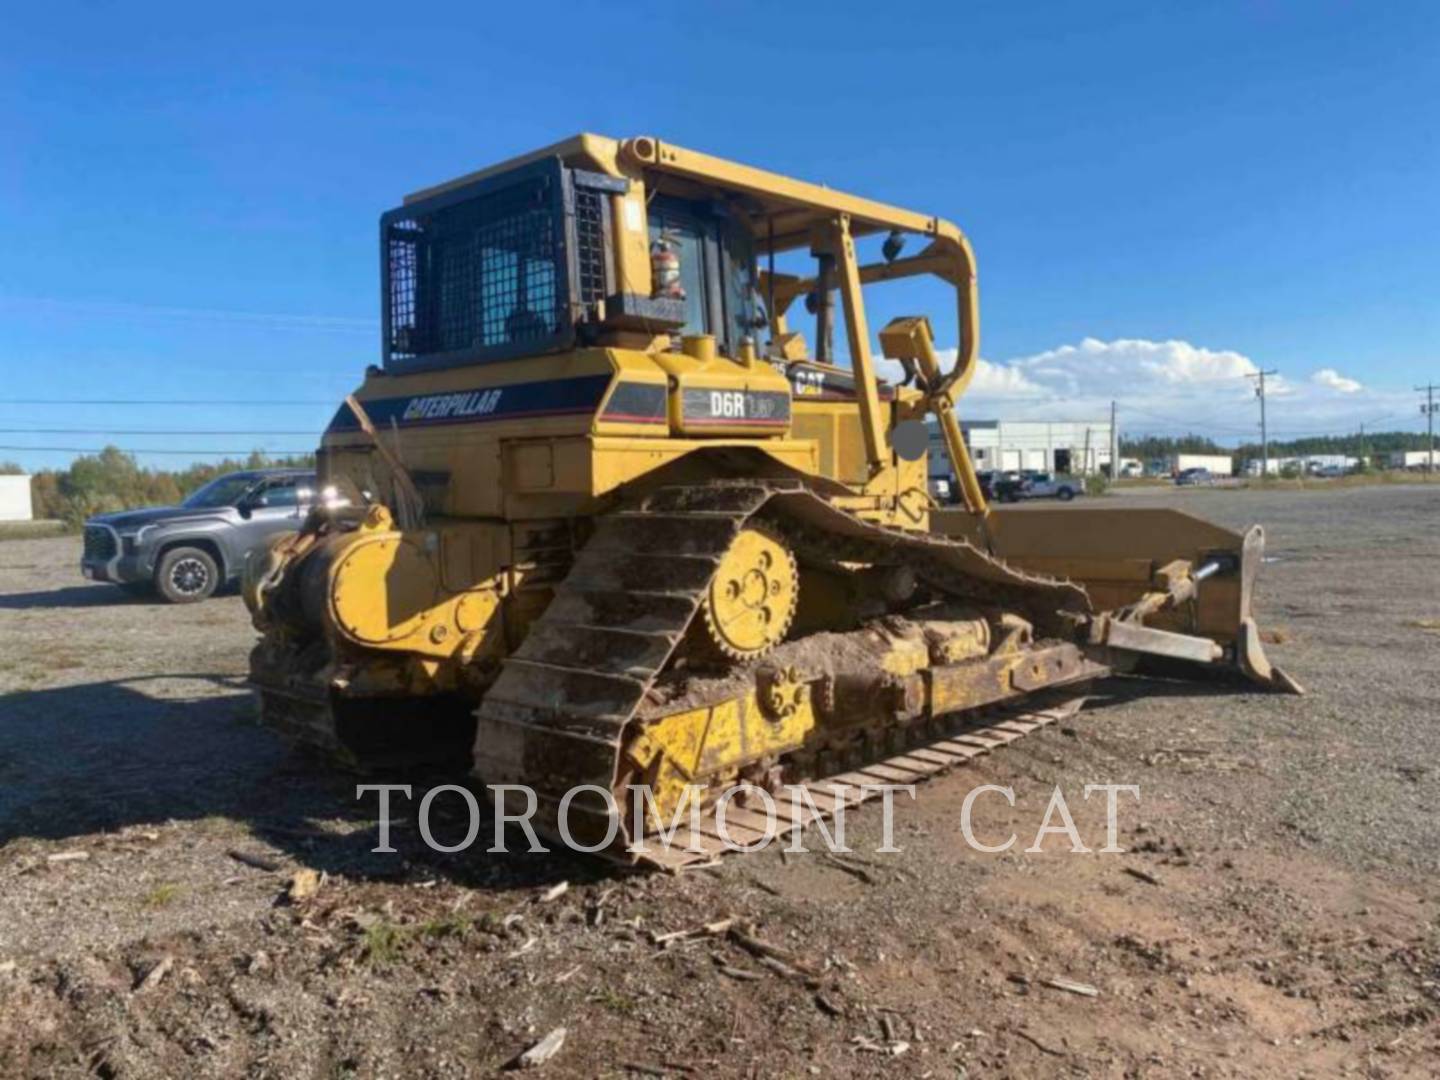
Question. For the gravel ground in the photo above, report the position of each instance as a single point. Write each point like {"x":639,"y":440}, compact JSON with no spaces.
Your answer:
{"x":1275,"y":912}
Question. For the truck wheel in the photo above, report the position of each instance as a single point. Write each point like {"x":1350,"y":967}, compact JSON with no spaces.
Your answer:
{"x":1065,"y":494}
{"x":186,"y":574}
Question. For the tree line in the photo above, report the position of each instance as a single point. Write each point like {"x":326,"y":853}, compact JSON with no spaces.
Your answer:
{"x":113,"y":480}
{"x":1150,"y":447}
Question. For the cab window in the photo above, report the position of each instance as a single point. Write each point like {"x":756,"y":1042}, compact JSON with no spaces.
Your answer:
{"x":741,"y":288}
{"x":717,"y":267}
{"x":675,"y":223}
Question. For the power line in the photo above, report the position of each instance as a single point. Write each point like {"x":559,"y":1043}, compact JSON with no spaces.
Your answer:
{"x":146,"y":431}
{"x":275,"y":320}
{"x":156,"y":450}
{"x":160,"y":401}
{"x":1189,"y":423}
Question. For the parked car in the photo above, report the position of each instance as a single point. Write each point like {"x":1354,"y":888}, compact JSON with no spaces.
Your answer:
{"x":1048,"y":486}
{"x":992,"y":480}
{"x":186,"y":552}
{"x":1189,"y":477}
{"x":1033,"y":484}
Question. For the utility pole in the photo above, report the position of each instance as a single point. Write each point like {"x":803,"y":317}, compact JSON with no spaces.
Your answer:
{"x":1259,"y":378}
{"x":1114,"y":446}
{"x":1429,"y":410}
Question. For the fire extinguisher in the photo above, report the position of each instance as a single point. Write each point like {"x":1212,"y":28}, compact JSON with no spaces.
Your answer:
{"x":665,"y":268}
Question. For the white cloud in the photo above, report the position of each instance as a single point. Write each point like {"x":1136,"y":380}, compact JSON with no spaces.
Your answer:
{"x":1170,"y":363}
{"x":1174,"y":387}
{"x":992,"y":379}
{"x":1329,"y":377}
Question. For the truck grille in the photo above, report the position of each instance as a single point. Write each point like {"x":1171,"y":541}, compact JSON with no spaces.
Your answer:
{"x":99,"y":543}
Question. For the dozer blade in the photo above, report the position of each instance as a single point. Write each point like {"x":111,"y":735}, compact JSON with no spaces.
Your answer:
{"x":1126,"y":560}
{"x":1249,"y":652}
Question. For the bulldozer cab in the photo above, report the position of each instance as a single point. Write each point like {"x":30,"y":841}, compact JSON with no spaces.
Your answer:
{"x":641,"y":244}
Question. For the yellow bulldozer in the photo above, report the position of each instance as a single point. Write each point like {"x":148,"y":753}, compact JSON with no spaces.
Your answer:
{"x":602,"y":519}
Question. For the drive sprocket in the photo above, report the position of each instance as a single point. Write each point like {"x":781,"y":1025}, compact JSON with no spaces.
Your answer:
{"x":750,"y":602}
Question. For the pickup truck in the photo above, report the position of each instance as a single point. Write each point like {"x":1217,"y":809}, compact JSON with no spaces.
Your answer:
{"x":1039,"y":485}
{"x":1194,"y":477}
{"x":186,"y":552}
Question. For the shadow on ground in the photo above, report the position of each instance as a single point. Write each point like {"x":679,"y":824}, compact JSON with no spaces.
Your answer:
{"x":1123,"y":689}
{"x":75,"y":596}
{"x":97,"y":757}
{"x":99,"y":595}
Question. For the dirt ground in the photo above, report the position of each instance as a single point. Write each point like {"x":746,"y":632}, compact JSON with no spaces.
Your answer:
{"x":1276,"y":912}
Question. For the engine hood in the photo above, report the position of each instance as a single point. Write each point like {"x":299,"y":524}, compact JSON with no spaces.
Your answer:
{"x":129,"y":520}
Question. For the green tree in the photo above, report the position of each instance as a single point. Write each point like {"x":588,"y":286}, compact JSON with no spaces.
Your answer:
{"x":113,"y":480}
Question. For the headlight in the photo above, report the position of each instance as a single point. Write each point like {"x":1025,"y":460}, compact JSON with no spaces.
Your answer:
{"x":134,"y":538}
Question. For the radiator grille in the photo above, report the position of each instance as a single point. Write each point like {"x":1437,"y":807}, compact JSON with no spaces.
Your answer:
{"x":99,"y":543}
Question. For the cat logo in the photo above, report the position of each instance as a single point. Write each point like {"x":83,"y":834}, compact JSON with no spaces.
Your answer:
{"x":807,"y":383}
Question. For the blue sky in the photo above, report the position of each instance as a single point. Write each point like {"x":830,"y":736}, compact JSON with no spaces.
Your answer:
{"x":1162,"y":196}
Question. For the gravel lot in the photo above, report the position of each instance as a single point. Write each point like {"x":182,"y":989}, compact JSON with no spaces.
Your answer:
{"x":1276,"y":912}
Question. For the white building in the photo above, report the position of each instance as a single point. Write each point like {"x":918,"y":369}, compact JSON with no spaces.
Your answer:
{"x":1277,"y":465}
{"x":1060,"y":446}
{"x":1413,"y":459}
{"x":15,"y":498}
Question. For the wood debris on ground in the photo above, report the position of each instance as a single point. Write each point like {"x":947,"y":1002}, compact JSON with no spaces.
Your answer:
{"x":257,"y":862}
{"x":542,"y":1051}
{"x":713,"y":929}
{"x":155,"y":975}
{"x":869,"y":1045}
{"x":1083,"y":989}
{"x":1141,"y":875}
{"x":304,"y":884}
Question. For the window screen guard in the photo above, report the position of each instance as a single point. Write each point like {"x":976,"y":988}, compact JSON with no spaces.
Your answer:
{"x":496,"y":269}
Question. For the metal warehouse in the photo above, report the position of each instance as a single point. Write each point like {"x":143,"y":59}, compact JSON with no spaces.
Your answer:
{"x":1062,"y":446}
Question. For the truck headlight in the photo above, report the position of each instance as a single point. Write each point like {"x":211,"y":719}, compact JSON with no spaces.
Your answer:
{"x":131,"y":541}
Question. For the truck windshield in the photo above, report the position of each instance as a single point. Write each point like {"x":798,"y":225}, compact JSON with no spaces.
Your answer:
{"x":222,"y":491}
